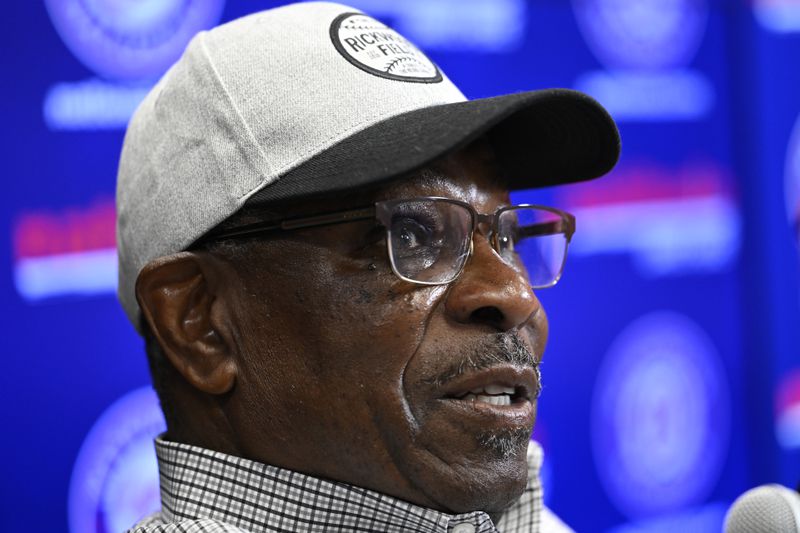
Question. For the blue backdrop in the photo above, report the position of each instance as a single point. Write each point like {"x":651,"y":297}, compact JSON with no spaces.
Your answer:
{"x":672,"y":380}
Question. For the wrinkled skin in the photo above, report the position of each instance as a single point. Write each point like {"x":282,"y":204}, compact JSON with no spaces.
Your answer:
{"x":310,"y":354}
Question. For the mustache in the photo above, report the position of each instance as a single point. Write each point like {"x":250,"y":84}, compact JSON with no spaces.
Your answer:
{"x":492,"y":350}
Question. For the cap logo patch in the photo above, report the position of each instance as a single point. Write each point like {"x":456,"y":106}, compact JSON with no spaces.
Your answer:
{"x":376,"y":48}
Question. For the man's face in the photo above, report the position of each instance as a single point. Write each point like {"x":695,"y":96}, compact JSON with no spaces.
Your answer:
{"x":349,"y":373}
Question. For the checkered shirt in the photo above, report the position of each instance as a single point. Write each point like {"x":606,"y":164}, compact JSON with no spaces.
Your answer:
{"x":203,"y":491}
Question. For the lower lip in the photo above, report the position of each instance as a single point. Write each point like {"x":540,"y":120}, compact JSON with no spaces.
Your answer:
{"x":520,"y":413}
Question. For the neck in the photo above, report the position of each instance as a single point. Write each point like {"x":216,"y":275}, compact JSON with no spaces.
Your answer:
{"x":202,"y":422}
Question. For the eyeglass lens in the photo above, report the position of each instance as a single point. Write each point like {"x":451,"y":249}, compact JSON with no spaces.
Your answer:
{"x":429,"y":241}
{"x":536,"y":236}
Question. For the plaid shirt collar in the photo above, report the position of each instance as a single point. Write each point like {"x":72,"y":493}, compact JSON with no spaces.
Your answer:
{"x":201,"y":484}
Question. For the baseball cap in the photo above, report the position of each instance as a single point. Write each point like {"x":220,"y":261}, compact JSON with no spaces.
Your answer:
{"x":319,"y":98}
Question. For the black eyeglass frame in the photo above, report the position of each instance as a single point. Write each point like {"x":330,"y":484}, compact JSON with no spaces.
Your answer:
{"x":382,"y":212}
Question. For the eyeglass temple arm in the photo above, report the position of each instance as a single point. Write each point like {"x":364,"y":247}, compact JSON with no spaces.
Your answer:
{"x":295,"y":223}
{"x":330,"y":218}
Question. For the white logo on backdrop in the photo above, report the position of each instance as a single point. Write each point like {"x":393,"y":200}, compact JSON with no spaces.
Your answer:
{"x":645,"y":34}
{"x":779,"y":16}
{"x":480,"y":25}
{"x":646,"y":47}
{"x":115,"y":478}
{"x":661,"y":416}
{"x":129,"y":44}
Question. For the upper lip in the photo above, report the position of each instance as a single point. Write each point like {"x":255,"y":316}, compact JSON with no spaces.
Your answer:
{"x":522,"y":379}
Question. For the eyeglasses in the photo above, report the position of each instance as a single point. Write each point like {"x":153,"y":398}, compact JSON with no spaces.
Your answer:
{"x":430,"y":239}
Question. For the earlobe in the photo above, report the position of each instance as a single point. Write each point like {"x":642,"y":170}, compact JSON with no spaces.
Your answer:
{"x":178,"y":300}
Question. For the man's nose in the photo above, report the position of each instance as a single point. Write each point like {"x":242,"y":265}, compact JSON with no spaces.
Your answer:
{"x":491,"y":291}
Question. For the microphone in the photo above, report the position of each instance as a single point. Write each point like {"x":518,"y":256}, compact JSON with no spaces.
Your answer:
{"x":765,"y":509}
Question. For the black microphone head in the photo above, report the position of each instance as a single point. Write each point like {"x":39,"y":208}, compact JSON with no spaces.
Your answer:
{"x":765,"y":509}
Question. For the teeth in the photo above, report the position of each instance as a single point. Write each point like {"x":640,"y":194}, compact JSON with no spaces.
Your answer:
{"x":502,"y":399}
{"x":493,"y":389}
{"x":497,"y":389}
{"x":491,"y":394}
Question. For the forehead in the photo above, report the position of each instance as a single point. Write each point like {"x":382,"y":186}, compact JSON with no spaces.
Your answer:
{"x":470,"y":174}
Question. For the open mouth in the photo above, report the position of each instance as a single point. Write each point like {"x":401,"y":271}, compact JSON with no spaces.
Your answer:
{"x":495,"y":395}
{"x":500,"y":386}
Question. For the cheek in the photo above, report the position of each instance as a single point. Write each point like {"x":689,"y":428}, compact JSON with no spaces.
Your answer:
{"x":374,"y":308}
{"x":370,"y":333}
{"x":338,"y":322}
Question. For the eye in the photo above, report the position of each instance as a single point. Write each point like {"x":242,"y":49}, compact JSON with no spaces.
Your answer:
{"x":411,"y":233}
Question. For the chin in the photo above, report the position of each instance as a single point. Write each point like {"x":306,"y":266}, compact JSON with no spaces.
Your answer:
{"x":492,"y":490}
{"x":490,"y":477}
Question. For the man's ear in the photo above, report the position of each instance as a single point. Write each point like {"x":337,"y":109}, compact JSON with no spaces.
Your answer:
{"x":178,"y":299}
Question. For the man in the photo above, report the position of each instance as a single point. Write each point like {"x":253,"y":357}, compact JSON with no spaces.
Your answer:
{"x":317,"y":244}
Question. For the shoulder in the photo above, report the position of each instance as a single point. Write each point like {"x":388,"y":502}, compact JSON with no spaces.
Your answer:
{"x":155,"y":524}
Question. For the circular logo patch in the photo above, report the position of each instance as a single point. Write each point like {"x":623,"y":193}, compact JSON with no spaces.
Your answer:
{"x":131,"y":39}
{"x":661,"y":416}
{"x":379,"y":50}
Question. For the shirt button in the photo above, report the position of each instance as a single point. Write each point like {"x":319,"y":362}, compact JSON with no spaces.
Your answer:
{"x":464,"y":528}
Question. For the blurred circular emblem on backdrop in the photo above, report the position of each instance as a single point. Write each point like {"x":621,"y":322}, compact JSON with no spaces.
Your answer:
{"x":660,"y":416}
{"x":115,"y":478}
{"x":131,"y":39}
{"x":793,"y":181}
{"x":780,"y":16}
{"x":643,"y":34}
{"x":787,"y":411}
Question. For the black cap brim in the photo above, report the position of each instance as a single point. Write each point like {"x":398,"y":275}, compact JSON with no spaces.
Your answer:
{"x":541,"y":138}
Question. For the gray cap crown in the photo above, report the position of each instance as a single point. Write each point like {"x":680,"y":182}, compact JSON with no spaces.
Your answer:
{"x":247,"y":102}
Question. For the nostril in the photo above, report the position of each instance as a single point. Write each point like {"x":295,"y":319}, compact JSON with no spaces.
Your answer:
{"x":487,"y":315}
